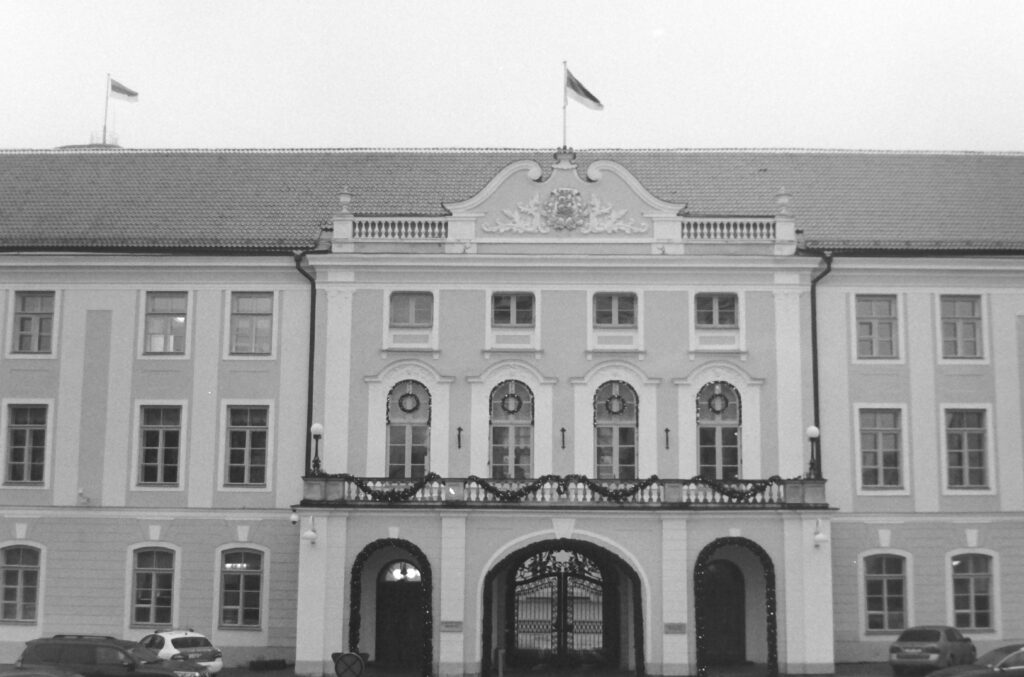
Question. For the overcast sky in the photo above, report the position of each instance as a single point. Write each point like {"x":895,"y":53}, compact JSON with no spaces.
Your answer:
{"x":837,"y":74}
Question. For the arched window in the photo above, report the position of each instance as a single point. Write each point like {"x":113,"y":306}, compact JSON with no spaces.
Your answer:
{"x":973,"y":593}
{"x":19,"y":577}
{"x":511,"y":430}
{"x":885,"y":592}
{"x":241,"y":589}
{"x":615,"y":431}
{"x":718,"y":431}
{"x":153,"y":587}
{"x":408,"y":430}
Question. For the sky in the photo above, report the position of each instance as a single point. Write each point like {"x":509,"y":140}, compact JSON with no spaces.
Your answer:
{"x":920,"y":75}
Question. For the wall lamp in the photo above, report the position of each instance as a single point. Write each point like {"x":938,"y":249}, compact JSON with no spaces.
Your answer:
{"x":819,"y":536}
{"x":814,"y":467}
{"x":317,"y":431}
{"x":310,"y":533}
{"x":294,"y":519}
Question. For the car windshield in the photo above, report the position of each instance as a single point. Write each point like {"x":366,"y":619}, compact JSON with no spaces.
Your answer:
{"x":191,"y":643}
{"x":919,"y":635}
{"x":145,"y":655}
{"x":995,"y":655}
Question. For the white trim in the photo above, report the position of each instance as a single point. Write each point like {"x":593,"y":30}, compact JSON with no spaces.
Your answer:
{"x":222,"y":445}
{"x":242,"y":635}
{"x":420,"y":339}
{"x":140,"y":351}
{"x":134,"y":483}
{"x":55,"y":343}
{"x":5,"y":435}
{"x":991,"y":472}
{"x":23,"y":631}
{"x":984,"y":343}
{"x":905,"y":451}
{"x":275,"y":323}
{"x":613,"y":335}
{"x":128,"y":627}
{"x":737,"y":334}
{"x":996,"y":631}
{"x":901,"y":329}
{"x":884,"y":636}
{"x":531,"y":335}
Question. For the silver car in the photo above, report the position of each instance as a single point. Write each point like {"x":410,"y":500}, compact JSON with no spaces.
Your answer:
{"x":928,"y":647}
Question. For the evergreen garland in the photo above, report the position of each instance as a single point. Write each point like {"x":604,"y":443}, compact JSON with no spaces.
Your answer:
{"x":389,"y":495}
{"x":726,"y":488}
{"x":562,"y":486}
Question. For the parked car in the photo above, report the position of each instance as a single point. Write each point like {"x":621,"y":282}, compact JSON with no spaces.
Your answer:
{"x":36,"y":671}
{"x":929,"y":647}
{"x":1008,"y":658}
{"x":185,"y":645}
{"x":102,"y":656}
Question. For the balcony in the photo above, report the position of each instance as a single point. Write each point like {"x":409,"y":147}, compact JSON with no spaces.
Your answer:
{"x":570,"y":491}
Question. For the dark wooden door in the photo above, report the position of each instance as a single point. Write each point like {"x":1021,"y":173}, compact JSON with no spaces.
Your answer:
{"x":399,"y":623}
{"x":724,"y":603}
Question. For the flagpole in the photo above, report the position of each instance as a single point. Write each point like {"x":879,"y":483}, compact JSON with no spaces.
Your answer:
{"x":565,"y":101}
{"x":106,"y":107}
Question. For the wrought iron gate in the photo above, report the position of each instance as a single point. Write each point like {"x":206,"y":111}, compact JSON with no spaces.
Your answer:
{"x":558,"y":609}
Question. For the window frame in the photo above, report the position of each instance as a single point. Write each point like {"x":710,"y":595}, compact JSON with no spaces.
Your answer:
{"x":862,"y":610}
{"x":7,"y":405}
{"x":19,"y":621}
{"x":904,"y":452}
{"x":718,"y":426}
{"x":995,"y":606}
{"x":225,"y":457}
{"x":137,"y":446}
{"x":133,"y":590}
{"x":12,"y":321}
{"x":897,"y":319}
{"x":981,"y":327}
{"x":513,"y":310}
{"x":222,"y":589}
{"x":885,"y":578}
{"x":513,"y":426}
{"x":716,"y":324}
{"x":616,"y":428}
{"x":144,"y":313}
{"x":230,"y":324}
{"x":410,"y":296}
{"x":990,"y":451}
{"x":422,"y":423}
{"x":615,"y":310}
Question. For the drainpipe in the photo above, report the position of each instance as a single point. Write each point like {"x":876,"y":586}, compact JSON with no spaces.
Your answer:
{"x":300,"y":258}
{"x":815,"y":469}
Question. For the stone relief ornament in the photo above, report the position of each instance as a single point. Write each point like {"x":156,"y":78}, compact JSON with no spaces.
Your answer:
{"x":564,"y":210}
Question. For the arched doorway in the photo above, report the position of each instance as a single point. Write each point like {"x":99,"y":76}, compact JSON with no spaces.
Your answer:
{"x":560,"y":604}
{"x":724,"y":595}
{"x":412,"y":629}
{"x":399,"y":631}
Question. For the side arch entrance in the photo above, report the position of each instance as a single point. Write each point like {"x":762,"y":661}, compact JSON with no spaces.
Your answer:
{"x":734,"y":594}
{"x":391,"y":586}
{"x":561,"y":604}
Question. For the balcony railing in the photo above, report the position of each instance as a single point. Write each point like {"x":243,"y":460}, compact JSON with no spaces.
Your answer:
{"x":570,"y":490}
{"x":398,"y":228}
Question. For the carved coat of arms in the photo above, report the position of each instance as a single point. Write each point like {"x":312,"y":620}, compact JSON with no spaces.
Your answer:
{"x":564,"y":209}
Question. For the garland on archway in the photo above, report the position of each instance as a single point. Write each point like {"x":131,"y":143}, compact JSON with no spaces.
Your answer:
{"x":728,"y":488}
{"x":426,"y":580}
{"x":389,"y":495}
{"x":562,"y":486}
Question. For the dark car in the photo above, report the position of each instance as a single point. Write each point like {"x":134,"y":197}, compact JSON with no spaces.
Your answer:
{"x":928,"y":647}
{"x":1006,"y":660}
{"x":101,"y":656}
{"x":36,"y":671}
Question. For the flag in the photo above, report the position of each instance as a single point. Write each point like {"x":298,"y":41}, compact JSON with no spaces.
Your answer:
{"x":577,"y":91}
{"x":119,"y":91}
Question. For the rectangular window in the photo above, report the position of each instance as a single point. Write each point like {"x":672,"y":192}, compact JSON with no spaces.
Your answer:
{"x":26,"y":444}
{"x":412,"y":309}
{"x":966,"y":453}
{"x":885,"y":589}
{"x":165,"y":322}
{"x":880,"y":448}
{"x":247,"y":446}
{"x":33,"y":322}
{"x":160,"y":439}
{"x":961,"y":327}
{"x":973,"y":594}
{"x":153,"y":587}
{"x":877,"y":327}
{"x":252,"y":322}
{"x":512,"y":310}
{"x":615,"y":310}
{"x":19,"y":584}
{"x":241,"y":589}
{"x":716,"y":310}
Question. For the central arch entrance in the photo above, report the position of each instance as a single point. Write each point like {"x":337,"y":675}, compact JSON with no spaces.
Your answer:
{"x":562,"y":604}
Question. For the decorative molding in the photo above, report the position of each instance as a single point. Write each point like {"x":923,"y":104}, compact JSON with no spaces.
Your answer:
{"x":564,"y":209}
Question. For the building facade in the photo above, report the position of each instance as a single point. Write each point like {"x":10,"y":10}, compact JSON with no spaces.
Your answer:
{"x":466,"y":412}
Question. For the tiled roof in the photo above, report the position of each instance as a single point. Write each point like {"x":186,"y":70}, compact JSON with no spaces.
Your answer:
{"x":277,"y":200}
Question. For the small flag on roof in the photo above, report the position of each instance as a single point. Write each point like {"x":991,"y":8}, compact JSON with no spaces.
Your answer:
{"x":119,"y":91}
{"x":575,"y":89}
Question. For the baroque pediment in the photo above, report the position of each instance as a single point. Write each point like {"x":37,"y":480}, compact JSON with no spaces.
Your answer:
{"x":521,"y":201}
